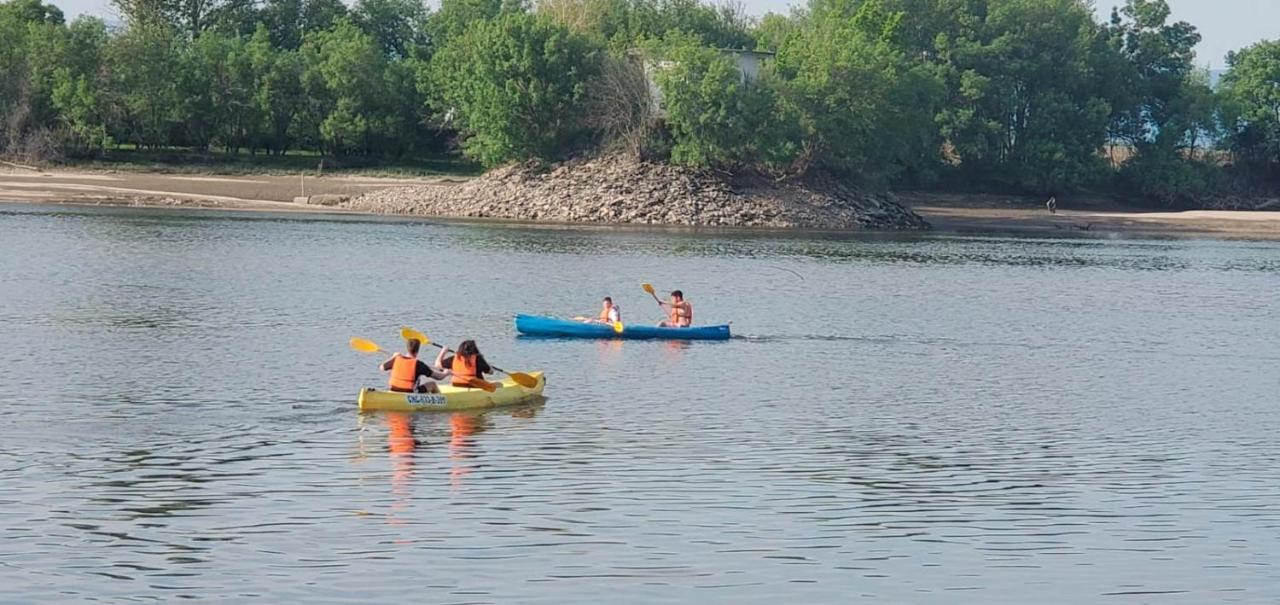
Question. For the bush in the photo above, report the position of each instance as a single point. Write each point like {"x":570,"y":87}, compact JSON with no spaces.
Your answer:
{"x":516,"y":86}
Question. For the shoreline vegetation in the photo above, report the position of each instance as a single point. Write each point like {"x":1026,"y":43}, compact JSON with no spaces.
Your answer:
{"x":946,"y":213}
{"x":644,"y":111}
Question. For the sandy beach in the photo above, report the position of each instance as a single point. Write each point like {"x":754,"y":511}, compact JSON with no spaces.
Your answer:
{"x":948,"y":213}
{"x":258,"y":192}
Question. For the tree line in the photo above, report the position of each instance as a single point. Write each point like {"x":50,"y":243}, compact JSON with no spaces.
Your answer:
{"x":1000,"y":95}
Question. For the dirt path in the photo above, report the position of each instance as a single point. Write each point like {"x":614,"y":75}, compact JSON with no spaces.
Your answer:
{"x":260,"y":192}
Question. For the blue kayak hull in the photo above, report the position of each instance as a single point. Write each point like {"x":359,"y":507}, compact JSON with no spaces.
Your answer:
{"x":537,"y":325}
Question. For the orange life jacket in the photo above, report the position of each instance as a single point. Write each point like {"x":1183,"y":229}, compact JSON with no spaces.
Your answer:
{"x":464,"y":369}
{"x":681,"y":314}
{"x":604,"y":313}
{"x":404,"y":374}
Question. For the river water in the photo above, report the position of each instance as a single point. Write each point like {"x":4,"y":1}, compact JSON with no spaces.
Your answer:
{"x":907,"y":419}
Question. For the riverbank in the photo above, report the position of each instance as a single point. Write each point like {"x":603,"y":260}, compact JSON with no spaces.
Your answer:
{"x":295,"y":193}
{"x":961,"y":213}
{"x":1083,"y":215}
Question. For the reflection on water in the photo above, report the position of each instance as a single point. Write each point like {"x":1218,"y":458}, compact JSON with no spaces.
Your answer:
{"x":899,"y":419}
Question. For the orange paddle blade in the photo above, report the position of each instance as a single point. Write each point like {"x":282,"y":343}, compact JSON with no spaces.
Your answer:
{"x":649,"y":288}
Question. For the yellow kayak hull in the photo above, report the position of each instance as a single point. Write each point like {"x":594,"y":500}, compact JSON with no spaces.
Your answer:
{"x":450,"y":398}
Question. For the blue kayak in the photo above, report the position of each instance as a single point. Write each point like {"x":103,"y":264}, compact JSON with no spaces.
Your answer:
{"x":537,"y":325}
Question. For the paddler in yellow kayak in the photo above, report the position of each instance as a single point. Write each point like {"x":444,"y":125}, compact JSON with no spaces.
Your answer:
{"x":466,"y":365}
{"x":408,"y":372}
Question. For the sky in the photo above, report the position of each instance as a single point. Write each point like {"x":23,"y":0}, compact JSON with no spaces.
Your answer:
{"x":1225,"y":24}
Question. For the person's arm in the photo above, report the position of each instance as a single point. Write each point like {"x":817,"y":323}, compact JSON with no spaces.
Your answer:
{"x":386,"y":365}
{"x":440,"y":357}
{"x":433,"y":372}
{"x":482,"y":366}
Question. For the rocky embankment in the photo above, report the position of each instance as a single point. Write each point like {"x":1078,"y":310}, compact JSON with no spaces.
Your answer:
{"x":619,"y":190}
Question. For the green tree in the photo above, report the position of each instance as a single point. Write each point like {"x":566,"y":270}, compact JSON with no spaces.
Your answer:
{"x":189,"y":17}
{"x":216,"y":86}
{"x":516,"y":86}
{"x":866,"y":108}
{"x":80,"y":92}
{"x":1158,"y":109}
{"x":626,"y":23}
{"x":81,"y":108}
{"x":717,"y":116}
{"x":1251,"y":96}
{"x":1026,"y":104}
{"x":31,"y":11}
{"x":774,"y":30}
{"x":397,"y":25}
{"x":15,"y":107}
{"x":345,"y":81}
{"x":143,"y":62}
{"x":456,"y":16}
{"x":277,"y":92}
{"x":235,"y":18}
{"x":289,"y":21}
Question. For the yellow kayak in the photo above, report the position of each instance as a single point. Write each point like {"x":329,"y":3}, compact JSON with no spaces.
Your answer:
{"x":450,"y":398}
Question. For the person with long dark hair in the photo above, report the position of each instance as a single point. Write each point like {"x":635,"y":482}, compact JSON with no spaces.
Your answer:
{"x":466,"y":364}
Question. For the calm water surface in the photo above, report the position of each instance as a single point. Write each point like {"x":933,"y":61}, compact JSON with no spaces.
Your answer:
{"x":900,"y":420}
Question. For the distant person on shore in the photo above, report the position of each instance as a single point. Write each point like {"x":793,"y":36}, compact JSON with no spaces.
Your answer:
{"x":1052,"y":204}
{"x":408,"y":372}
{"x":466,"y":364}
{"x":679,"y":311}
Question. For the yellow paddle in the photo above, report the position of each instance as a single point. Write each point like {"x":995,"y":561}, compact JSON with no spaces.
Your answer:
{"x":617,"y":325}
{"x":520,"y":378}
{"x":648,"y":288}
{"x":368,"y":346}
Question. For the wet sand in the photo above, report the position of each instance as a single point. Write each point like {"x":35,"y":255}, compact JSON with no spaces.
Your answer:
{"x":1217,"y":223}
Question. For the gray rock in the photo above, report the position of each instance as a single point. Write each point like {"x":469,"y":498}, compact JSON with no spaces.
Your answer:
{"x":615,"y":189}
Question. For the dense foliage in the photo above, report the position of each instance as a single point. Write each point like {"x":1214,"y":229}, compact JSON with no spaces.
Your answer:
{"x":1034,"y":96}
{"x":517,"y":83}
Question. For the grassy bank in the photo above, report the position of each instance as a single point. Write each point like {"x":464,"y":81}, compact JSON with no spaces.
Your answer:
{"x":184,"y":161}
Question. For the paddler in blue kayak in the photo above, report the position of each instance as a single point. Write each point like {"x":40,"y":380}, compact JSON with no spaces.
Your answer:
{"x":408,"y":372}
{"x":609,"y":313}
{"x":679,"y":311}
{"x":466,"y":365}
